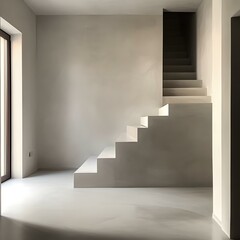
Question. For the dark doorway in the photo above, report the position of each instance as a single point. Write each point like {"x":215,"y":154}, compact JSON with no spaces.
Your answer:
{"x":235,"y":129}
{"x":5,"y":105}
{"x":179,"y":46}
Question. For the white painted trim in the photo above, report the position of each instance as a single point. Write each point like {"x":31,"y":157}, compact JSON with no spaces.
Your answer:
{"x":219,"y":222}
{"x":17,"y":98}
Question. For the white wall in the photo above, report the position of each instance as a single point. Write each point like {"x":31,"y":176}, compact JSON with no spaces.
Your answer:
{"x":217,"y":110}
{"x":204,"y":44}
{"x":96,"y":74}
{"x":23,"y":140}
{"x":230,"y":9}
{"x":22,"y":18}
{"x":223,"y":10}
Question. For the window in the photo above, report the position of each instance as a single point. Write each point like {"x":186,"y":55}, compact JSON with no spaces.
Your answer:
{"x":5,"y":104}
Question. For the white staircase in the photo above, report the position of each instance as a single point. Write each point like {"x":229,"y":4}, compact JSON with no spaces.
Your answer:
{"x":170,"y":149}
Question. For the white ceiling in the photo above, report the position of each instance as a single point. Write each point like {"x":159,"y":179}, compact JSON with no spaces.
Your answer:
{"x":109,"y":7}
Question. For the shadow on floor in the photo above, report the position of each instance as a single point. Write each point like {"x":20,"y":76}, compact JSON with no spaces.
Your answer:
{"x":11,"y":229}
{"x":15,"y":230}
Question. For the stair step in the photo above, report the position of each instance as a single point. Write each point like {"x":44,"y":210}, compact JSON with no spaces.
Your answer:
{"x":184,"y":91}
{"x":109,"y":152}
{"x":186,"y":99}
{"x":176,"y":61}
{"x":144,"y":121}
{"x":182,"y":83}
{"x":178,"y":68}
{"x":164,"y":110}
{"x":159,"y":160}
{"x":179,"y":75}
{"x":126,"y":138}
{"x":132,"y":131}
{"x":175,"y":54}
{"x":89,"y":166}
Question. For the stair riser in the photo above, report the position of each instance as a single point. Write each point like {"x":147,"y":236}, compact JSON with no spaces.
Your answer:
{"x":164,"y":111}
{"x":178,"y":68}
{"x":178,"y":100}
{"x":185,"y":92}
{"x":182,"y":83}
{"x":86,"y":180}
{"x":144,"y":121}
{"x":179,"y":76}
{"x":132,"y":132}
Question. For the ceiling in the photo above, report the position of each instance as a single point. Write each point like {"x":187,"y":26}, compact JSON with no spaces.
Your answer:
{"x":110,"y":7}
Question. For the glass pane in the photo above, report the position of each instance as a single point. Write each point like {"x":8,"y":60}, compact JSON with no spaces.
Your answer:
{"x":3,"y":99}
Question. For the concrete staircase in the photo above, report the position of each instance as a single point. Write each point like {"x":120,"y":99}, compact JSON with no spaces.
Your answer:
{"x":171,"y":149}
{"x":179,"y":76}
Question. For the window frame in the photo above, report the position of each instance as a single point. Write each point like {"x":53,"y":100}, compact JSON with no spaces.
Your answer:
{"x":7,"y":176}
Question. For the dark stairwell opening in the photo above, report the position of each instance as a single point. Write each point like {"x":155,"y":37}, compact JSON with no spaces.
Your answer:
{"x":179,"y":55}
{"x":179,"y":45}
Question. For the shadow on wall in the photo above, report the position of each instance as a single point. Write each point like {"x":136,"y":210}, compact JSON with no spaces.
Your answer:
{"x":237,"y":14}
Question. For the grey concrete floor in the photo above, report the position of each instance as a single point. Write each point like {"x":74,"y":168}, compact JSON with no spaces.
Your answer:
{"x":46,"y":206}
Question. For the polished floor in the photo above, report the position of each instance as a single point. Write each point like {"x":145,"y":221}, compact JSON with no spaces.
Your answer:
{"x":45,"y":206}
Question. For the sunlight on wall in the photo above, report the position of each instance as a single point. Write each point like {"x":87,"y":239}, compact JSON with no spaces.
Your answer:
{"x":16,"y":79}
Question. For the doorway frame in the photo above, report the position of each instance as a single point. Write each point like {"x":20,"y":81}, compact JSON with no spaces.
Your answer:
{"x":7,"y":37}
{"x":235,"y":128}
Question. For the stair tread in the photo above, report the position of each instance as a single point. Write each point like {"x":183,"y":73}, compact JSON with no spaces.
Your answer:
{"x":184,"y":88}
{"x":108,"y":152}
{"x":186,"y":99}
{"x":89,"y":166}
{"x":197,"y":91}
{"x":136,"y":126}
{"x":180,"y":80}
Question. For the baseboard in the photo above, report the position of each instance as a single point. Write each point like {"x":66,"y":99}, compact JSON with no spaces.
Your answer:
{"x":219,"y":222}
